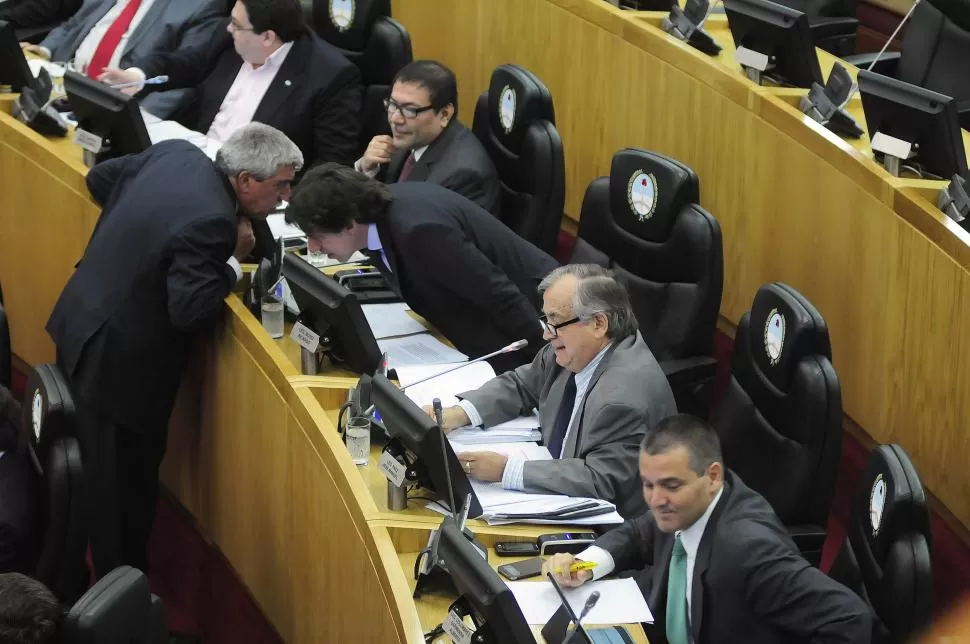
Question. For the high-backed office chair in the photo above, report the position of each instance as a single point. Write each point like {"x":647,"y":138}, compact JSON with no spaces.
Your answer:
{"x":643,"y":222}
{"x":832,"y":23}
{"x":885,"y":557}
{"x":933,"y":55}
{"x":119,"y":609}
{"x":6,"y":354}
{"x":48,"y":432}
{"x":379,"y":45}
{"x":516,"y":122}
{"x":780,"y":418}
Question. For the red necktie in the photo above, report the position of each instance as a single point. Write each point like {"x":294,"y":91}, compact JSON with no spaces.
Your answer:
{"x":112,"y":38}
{"x":406,"y":168}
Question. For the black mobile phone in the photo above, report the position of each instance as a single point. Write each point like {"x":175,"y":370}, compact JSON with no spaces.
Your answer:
{"x":516,"y":548}
{"x":522,"y":569}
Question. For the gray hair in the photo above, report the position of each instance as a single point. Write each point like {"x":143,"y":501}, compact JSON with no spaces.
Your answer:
{"x":260,"y":150}
{"x":597,"y":291}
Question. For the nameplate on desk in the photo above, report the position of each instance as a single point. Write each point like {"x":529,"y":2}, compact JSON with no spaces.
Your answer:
{"x":305,"y":337}
{"x":751,"y":58}
{"x":456,"y":627}
{"x":891,"y":145}
{"x":393,"y":469}
{"x":90,"y":142}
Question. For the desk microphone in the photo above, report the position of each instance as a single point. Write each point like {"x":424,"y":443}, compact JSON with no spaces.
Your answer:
{"x":155,"y":80}
{"x":590,"y":602}
{"x":898,"y":27}
{"x":515,"y":346}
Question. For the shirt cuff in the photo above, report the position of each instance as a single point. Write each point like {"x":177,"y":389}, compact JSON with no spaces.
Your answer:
{"x":513,"y":478}
{"x":236,"y":267}
{"x":602,"y":558}
{"x":370,"y":173}
{"x":474,"y":418}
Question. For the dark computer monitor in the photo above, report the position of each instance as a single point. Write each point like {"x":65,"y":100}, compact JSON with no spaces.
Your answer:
{"x":919,"y":116}
{"x":421,"y":436}
{"x":334,"y":313}
{"x":779,"y":32}
{"x":108,"y":114}
{"x":490,"y":601}
{"x":14,"y":70}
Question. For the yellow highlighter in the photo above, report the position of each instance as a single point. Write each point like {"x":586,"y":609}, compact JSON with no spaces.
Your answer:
{"x":582,"y":565}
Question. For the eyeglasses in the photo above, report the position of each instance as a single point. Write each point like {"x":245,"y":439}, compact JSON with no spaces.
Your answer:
{"x":407,"y":111}
{"x":235,"y":26}
{"x":553,"y":329}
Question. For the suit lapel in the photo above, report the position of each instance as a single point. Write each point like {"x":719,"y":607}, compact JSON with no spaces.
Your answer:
{"x":423,"y":167}
{"x":290,"y":75}
{"x":549,"y":410}
{"x":394,"y":167}
{"x":146,"y":26}
{"x":569,"y":449}
{"x":701,"y":563}
{"x":657,"y":600}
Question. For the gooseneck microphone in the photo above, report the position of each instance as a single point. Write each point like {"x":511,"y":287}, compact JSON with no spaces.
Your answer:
{"x":155,"y":80}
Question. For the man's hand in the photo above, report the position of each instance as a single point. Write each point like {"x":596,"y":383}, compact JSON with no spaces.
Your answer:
{"x":36,"y":50}
{"x":559,"y":565}
{"x":484,"y":466}
{"x":378,"y":151}
{"x":451,"y":417}
{"x":115,"y":76}
{"x":245,"y":239}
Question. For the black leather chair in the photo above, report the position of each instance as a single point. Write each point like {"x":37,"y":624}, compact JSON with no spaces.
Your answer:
{"x":516,"y":122}
{"x":885,"y":557}
{"x":643,"y":222}
{"x":379,"y":45}
{"x":780,"y":418}
{"x":119,"y":609}
{"x":933,"y":54}
{"x":832,"y":23}
{"x":48,"y":432}
{"x":6,"y":353}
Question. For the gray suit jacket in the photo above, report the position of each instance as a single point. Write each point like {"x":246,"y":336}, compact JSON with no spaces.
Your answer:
{"x":750,"y":583}
{"x":168,"y":25}
{"x":627,"y":394}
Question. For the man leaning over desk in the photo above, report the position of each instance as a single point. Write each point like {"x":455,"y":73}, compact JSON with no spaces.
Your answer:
{"x":711,"y":557}
{"x":596,"y":385}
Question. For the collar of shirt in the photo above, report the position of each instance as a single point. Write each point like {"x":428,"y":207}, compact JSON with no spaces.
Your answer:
{"x":418,"y":152}
{"x":691,"y":537}
{"x":585,"y":374}
{"x":275,"y":59}
{"x":373,"y":238}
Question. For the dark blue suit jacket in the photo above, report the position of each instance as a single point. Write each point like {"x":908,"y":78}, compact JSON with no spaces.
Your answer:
{"x":153,"y":274}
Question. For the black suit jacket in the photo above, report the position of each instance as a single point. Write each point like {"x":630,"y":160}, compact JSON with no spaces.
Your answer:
{"x":463,"y":270}
{"x":18,"y":487}
{"x":38,"y":13}
{"x":750,"y":584}
{"x":458,"y":161}
{"x":153,"y":274}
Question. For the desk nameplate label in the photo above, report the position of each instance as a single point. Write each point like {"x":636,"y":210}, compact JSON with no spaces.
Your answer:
{"x":305,"y":337}
{"x":393,"y":469}
{"x":457,"y":629}
{"x":751,"y":58}
{"x":90,"y":142}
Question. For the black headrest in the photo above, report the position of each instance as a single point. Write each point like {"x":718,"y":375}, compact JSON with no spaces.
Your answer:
{"x":116,"y":610}
{"x":516,"y":98}
{"x":48,"y":410}
{"x":784,"y":328}
{"x":347,"y":24}
{"x":647,"y":192}
{"x":891,"y":499}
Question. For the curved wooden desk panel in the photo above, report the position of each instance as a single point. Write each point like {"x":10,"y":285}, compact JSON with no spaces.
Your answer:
{"x":795,"y":202}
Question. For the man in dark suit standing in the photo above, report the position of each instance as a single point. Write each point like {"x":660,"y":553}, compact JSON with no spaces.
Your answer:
{"x":18,"y":487}
{"x":427,"y":142}
{"x":163,"y":257}
{"x":717,"y":565}
{"x":454,"y":264}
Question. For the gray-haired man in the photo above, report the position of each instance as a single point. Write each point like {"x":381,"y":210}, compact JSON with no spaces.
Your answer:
{"x":597,"y":387}
{"x":163,"y":257}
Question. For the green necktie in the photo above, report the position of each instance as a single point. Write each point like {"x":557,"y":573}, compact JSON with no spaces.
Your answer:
{"x":677,"y":595}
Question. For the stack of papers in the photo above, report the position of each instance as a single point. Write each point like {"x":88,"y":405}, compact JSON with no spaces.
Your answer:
{"x":620,"y":602}
{"x":517,"y":430}
{"x":423,"y":349}
{"x":446,"y":386}
{"x":391,"y":320}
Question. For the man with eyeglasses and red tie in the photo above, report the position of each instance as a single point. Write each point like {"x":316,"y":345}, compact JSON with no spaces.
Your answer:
{"x":427,"y":142}
{"x":596,"y":385}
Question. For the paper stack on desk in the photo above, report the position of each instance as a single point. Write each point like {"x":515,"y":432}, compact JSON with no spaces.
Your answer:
{"x":445,"y":386}
{"x":621,"y":601}
{"x":391,"y":320}
{"x":517,"y":430}
{"x":421,"y":349}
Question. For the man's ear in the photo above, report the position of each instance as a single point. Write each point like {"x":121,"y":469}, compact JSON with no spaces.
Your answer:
{"x":447,"y":113}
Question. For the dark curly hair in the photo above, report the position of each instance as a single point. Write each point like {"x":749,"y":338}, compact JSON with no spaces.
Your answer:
{"x":332,"y":197}
{"x":29,"y":612}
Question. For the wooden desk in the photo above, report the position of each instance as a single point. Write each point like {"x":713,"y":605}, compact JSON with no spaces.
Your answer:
{"x":795,"y":202}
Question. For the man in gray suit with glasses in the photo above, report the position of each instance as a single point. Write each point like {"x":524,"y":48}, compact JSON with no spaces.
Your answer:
{"x":596,"y":385}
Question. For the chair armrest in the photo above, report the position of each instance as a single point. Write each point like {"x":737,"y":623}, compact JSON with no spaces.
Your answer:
{"x":825,"y":27}
{"x":808,"y":538}
{"x":887,"y":64}
{"x":687,"y":371}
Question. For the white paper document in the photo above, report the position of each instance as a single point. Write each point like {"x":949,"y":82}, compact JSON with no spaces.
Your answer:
{"x":391,"y":320}
{"x":418,"y":349}
{"x":621,"y":601}
{"x":521,"y":429}
{"x":159,"y":130}
{"x":446,"y":386}
{"x":279,"y":228}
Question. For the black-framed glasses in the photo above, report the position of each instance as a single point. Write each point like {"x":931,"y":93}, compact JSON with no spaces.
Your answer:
{"x":235,"y":26}
{"x":407,"y":111}
{"x":553,"y":329}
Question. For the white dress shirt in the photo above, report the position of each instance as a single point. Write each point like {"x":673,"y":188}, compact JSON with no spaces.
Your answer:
{"x":691,"y":538}
{"x":513,"y":477}
{"x":85,"y":51}
{"x":246,"y":94}
{"x":417,"y":152}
